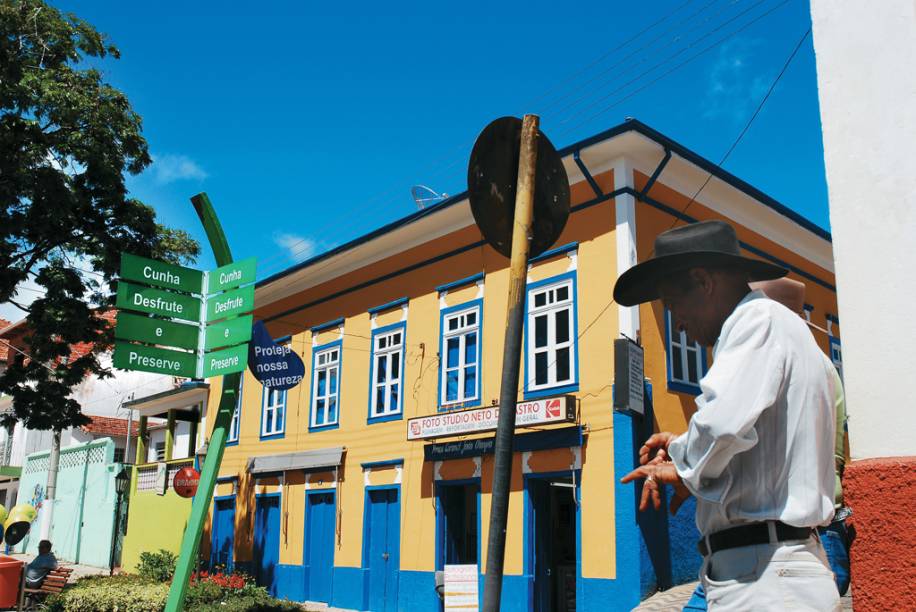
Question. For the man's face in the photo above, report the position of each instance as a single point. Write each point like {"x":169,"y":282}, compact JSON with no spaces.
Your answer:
{"x":689,"y":298}
{"x":43,"y":550}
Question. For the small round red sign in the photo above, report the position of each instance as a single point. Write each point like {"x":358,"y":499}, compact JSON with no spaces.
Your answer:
{"x":186,"y":481}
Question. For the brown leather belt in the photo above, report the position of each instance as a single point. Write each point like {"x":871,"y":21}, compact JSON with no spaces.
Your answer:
{"x":748,"y":535}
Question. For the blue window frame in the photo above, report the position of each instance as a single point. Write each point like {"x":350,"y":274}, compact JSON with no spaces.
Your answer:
{"x":325,"y":405}
{"x":234,"y":424}
{"x":273,"y":413}
{"x":551,"y":337}
{"x":686,"y":360}
{"x":460,"y":329}
{"x":386,"y":373}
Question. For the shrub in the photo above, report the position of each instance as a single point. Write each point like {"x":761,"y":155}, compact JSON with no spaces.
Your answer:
{"x":157,"y":566}
{"x":111,"y":594}
{"x":202,"y":593}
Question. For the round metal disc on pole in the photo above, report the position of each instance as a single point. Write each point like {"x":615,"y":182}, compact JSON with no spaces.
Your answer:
{"x":492,"y":183}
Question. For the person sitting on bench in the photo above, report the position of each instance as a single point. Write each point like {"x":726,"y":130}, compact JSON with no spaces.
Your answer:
{"x":41,"y":566}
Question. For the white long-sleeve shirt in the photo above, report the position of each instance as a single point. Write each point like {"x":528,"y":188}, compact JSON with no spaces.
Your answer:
{"x":760,"y":446}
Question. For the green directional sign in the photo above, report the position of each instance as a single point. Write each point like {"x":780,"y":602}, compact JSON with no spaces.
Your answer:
{"x":226,"y":361}
{"x":161,"y":274}
{"x":230,"y":303}
{"x":152,"y":359}
{"x":235,"y":274}
{"x":156,"y":331}
{"x":157,"y":302}
{"x":228,"y":332}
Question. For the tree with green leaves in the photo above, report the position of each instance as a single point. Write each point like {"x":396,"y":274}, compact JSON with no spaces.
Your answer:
{"x":67,"y":139}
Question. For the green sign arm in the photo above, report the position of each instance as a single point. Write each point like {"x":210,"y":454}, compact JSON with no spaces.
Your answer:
{"x":190,"y":543}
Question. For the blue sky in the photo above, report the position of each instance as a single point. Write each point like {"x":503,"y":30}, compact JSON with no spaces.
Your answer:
{"x":307,"y":124}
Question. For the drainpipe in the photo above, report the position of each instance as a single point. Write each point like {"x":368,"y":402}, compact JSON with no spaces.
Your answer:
{"x":48,"y":503}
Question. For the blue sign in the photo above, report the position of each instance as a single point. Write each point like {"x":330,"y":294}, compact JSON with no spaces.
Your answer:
{"x":277,"y":366}
{"x":564,"y":437}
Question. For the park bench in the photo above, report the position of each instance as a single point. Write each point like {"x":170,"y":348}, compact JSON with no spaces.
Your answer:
{"x":53,"y":583}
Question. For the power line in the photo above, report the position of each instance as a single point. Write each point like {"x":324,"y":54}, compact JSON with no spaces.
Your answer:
{"x":750,"y":121}
{"x":650,"y":44}
{"x":668,"y":60}
{"x":276,"y":259}
{"x":604,"y":56}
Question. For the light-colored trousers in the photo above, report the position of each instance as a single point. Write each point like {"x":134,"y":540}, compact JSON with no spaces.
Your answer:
{"x":790,"y":575}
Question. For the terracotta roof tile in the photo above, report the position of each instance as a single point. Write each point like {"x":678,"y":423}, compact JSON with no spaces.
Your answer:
{"x":110,"y":426}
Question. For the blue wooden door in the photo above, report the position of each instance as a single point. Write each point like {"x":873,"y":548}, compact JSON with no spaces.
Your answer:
{"x":223,"y":532}
{"x":383,"y":548}
{"x":320,"y":527}
{"x":267,"y":540}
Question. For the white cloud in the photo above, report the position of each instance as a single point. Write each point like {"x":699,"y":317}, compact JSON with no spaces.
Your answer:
{"x":298,"y":248}
{"x":733,"y":89}
{"x":170,"y":168}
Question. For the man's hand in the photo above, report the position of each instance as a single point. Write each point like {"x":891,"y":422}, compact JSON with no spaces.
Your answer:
{"x":655,"y":450}
{"x":656,"y":473}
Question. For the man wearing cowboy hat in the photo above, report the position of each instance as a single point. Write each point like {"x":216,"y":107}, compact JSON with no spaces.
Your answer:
{"x":754,"y":453}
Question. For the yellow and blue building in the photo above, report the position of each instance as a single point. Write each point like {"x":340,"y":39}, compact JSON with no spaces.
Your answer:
{"x":355,"y":487}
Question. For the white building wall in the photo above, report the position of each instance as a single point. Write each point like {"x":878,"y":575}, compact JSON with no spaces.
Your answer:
{"x":866,"y":73}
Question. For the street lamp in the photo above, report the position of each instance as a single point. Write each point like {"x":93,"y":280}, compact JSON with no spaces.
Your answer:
{"x":200,"y":454}
{"x":122,"y":484}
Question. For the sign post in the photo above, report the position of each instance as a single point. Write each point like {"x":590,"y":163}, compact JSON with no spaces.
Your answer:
{"x":189,"y":327}
{"x":513,"y":162}
{"x":200,"y":506}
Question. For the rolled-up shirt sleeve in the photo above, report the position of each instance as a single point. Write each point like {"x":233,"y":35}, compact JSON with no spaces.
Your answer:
{"x":745,"y":379}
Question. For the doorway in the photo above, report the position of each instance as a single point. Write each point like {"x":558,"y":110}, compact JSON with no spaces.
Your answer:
{"x":457,"y":524}
{"x":553,"y":515}
{"x":320,"y":529}
{"x":382,"y":547}
{"x":223,"y":530}
{"x":267,"y":540}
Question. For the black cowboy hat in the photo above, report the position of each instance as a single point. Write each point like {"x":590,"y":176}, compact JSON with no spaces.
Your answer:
{"x":703,"y":244}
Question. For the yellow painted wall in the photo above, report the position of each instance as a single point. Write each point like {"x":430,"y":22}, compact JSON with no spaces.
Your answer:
{"x":592,"y":228}
{"x":153,"y":522}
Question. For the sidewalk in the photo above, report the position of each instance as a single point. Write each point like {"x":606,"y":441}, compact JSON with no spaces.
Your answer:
{"x":78,"y":570}
{"x":675,"y":598}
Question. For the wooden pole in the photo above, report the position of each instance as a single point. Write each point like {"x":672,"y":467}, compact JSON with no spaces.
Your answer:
{"x":515,"y":314}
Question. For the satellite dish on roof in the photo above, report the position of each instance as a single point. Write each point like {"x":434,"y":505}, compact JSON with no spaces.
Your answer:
{"x":424,"y":196}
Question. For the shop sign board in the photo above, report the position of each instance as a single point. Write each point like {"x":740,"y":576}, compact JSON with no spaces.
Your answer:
{"x":460,"y":422}
{"x":161,"y":274}
{"x":185,"y":481}
{"x":461,"y":584}
{"x":156,"y":331}
{"x":153,"y":359}
{"x":561,"y":437}
{"x":157,"y":302}
{"x":629,"y":376}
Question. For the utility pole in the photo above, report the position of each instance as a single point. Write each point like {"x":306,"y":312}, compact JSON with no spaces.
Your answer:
{"x":505,"y":429}
{"x":48,"y":503}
